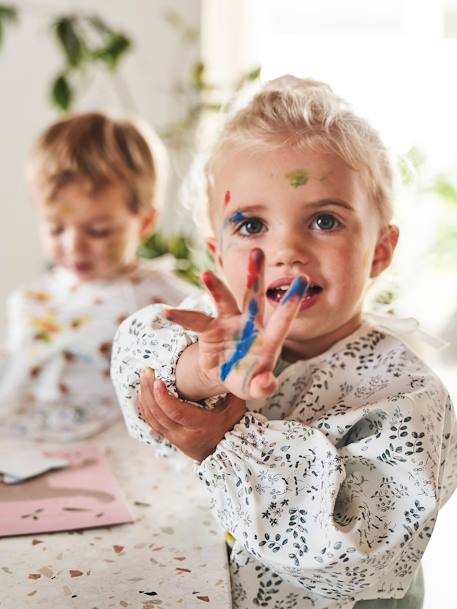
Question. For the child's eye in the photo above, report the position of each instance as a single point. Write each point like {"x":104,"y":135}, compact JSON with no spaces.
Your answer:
{"x":251,"y":226}
{"x":325,"y":222}
{"x":99,"y":232}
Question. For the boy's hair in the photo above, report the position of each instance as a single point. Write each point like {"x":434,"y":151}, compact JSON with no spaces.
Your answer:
{"x":306,"y":114}
{"x":99,"y":151}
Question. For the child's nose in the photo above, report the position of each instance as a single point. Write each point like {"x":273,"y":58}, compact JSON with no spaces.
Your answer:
{"x":76,"y":242}
{"x":291,"y":250}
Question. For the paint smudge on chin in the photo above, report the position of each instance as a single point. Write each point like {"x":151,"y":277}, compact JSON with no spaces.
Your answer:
{"x":227,"y":198}
{"x":297,"y":178}
{"x":248,"y":336}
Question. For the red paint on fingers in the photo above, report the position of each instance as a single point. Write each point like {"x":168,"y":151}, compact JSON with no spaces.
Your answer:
{"x":210,"y":282}
{"x":256,"y":257}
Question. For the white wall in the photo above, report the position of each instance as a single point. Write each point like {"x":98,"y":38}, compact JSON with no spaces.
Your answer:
{"x":29,"y":59}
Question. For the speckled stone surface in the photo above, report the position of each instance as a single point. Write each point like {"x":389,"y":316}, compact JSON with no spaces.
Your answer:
{"x":172,"y":556}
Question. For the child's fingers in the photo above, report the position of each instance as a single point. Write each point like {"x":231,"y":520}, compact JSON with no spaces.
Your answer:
{"x":225,"y":302}
{"x":262,"y":385}
{"x":191,"y":320}
{"x":150,"y":408}
{"x":254,"y":299}
{"x":284,"y":314}
{"x":178,"y":412}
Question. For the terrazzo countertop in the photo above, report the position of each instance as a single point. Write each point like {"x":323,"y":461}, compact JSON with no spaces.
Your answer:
{"x":172,"y":556}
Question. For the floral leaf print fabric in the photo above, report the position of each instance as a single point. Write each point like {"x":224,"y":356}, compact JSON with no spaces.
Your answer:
{"x":331,"y":488}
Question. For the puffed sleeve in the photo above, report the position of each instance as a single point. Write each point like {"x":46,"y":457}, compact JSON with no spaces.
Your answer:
{"x":333,"y":502}
{"x":148,"y":340}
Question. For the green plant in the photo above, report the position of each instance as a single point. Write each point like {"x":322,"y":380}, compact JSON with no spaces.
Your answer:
{"x":86,"y":43}
{"x":8,"y":14}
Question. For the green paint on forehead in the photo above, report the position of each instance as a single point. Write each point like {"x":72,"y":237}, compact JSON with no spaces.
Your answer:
{"x":297,"y":178}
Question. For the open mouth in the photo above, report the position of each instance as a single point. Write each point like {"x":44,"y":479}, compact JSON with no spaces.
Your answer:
{"x":276,"y":292}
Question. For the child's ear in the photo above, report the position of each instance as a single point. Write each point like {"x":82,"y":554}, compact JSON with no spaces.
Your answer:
{"x":384,"y":250}
{"x":147,"y":222}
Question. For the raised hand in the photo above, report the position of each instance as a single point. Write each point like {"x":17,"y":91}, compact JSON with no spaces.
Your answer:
{"x":237,"y":350}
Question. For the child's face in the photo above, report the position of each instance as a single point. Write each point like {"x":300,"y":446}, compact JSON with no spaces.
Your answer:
{"x":93,"y":235}
{"x":310,"y":214}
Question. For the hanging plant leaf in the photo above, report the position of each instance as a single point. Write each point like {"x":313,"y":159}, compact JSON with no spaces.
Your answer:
{"x":99,"y":24}
{"x":62,"y":93}
{"x":69,"y":40}
{"x":198,"y":76}
{"x":7,"y":14}
{"x":115,"y":49}
{"x":250,"y":76}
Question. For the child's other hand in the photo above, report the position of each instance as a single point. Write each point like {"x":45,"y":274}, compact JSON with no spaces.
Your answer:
{"x":196,"y":432}
{"x":236,"y":350}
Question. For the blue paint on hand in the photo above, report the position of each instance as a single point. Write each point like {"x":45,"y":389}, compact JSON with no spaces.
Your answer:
{"x":297,"y":288}
{"x":248,"y":336}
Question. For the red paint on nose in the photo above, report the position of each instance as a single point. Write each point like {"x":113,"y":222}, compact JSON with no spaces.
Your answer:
{"x":227,"y":197}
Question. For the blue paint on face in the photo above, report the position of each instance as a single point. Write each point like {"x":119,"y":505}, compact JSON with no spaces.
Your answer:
{"x":238,"y":217}
{"x":248,"y":336}
{"x":298,"y":288}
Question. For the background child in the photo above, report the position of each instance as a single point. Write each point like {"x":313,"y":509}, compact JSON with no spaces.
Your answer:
{"x":96,"y":184}
{"x":330,"y":482}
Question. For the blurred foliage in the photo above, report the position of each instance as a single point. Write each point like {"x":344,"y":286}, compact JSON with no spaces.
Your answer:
{"x":443,"y":190}
{"x":85,"y":42}
{"x":188,"y":262}
{"x":8,"y":14}
{"x":197,"y":93}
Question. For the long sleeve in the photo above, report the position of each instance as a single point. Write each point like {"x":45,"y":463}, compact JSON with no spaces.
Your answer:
{"x":340,"y":497}
{"x":148,"y":340}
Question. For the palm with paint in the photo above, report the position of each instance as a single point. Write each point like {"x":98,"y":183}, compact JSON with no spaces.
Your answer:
{"x":237,"y":350}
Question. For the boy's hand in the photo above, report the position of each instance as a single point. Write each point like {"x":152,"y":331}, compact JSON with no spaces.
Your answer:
{"x":196,"y":432}
{"x":236,"y":350}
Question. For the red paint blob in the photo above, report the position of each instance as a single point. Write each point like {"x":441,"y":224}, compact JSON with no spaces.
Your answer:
{"x":227,"y":197}
{"x":255,"y":263}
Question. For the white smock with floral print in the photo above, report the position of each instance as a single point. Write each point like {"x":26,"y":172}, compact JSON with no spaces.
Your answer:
{"x":54,"y":380}
{"x":330,"y":487}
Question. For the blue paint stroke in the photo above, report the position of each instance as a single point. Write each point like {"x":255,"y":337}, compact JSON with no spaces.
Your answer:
{"x":237,"y":217}
{"x":298,"y":288}
{"x":248,"y":335}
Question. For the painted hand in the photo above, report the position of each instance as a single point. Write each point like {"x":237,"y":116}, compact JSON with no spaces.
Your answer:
{"x":195,"y":431}
{"x":237,"y":348}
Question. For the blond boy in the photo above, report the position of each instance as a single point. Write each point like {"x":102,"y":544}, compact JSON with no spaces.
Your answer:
{"x":97,"y":184}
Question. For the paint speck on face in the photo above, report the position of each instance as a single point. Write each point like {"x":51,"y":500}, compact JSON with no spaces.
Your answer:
{"x":238,"y":217}
{"x":365,"y":259}
{"x":322,"y":178}
{"x":297,"y":178}
{"x":227,"y":198}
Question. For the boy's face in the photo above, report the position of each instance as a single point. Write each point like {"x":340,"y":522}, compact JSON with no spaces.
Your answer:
{"x":93,"y":235}
{"x":311,"y":215}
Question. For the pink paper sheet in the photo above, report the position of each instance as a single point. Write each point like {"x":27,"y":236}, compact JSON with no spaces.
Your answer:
{"x":83,"y":495}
